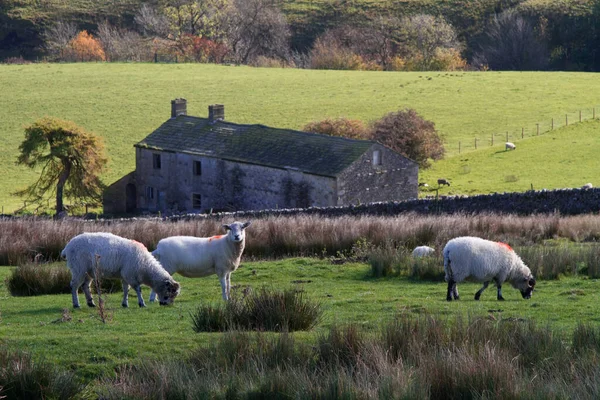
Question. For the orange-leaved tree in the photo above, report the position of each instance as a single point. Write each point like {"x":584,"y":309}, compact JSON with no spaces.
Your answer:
{"x":71,"y":161}
{"x":86,"y":48}
{"x":344,"y":127}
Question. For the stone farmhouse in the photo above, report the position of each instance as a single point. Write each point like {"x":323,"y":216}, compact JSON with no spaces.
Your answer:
{"x":194,"y":165}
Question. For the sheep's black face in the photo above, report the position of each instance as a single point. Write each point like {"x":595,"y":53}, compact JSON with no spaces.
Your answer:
{"x":527,"y":292}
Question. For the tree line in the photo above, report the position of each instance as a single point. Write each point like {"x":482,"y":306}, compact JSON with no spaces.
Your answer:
{"x":502,"y":35}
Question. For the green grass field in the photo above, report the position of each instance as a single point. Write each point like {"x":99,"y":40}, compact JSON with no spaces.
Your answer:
{"x":125,"y":102}
{"x":346,"y":292}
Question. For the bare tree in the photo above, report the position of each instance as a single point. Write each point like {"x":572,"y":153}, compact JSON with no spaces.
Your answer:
{"x":254,"y":28}
{"x":380,"y":41}
{"x":57,"y":38}
{"x":511,"y":43}
{"x":152,"y":22}
{"x":122,"y":44}
{"x":425,"y":34}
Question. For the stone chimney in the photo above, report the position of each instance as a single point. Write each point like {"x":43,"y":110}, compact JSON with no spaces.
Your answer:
{"x":216,"y":112}
{"x":178,"y":107}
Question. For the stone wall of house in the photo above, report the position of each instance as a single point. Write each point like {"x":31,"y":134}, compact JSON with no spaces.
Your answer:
{"x":224,"y":185}
{"x":395,"y":178}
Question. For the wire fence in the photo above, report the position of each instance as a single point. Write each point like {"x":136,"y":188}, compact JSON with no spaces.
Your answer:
{"x":526,"y":131}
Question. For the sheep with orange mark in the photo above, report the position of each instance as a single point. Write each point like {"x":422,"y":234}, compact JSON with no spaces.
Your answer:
{"x":195,"y":257}
{"x":485,"y":261}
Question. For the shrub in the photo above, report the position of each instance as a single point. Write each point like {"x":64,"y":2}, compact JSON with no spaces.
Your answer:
{"x":84,"y":47}
{"x":407,"y":133}
{"x":427,"y":268}
{"x":385,"y":260}
{"x":344,"y":127}
{"x":263,"y":310}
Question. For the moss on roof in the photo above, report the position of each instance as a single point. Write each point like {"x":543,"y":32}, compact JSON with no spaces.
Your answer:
{"x":257,"y":144}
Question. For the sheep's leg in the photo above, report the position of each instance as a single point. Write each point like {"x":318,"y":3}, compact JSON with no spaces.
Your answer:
{"x":223,"y":280}
{"x":86,"y":290}
{"x":152,"y":295}
{"x":455,"y":292}
{"x":228,"y":275}
{"x":138,"y":291}
{"x":125,"y":302}
{"x":499,"y":285}
{"x":75,"y":283}
{"x":478,"y":294}
{"x":451,"y":286}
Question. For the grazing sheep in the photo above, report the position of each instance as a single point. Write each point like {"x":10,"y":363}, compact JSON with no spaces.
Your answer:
{"x":442,"y":181}
{"x":509,"y":146}
{"x":116,"y":257}
{"x":422,"y":184}
{"x":422,"y":251}
{"x":587,"y":186}
{"x":483,"y":261}
{"x":196,"y":257}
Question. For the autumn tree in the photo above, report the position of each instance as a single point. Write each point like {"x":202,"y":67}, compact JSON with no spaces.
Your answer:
{"x":343,"y":127}
{"x":407,"y":133}
{"x":71,"y":160}
{"x":86,"y":48}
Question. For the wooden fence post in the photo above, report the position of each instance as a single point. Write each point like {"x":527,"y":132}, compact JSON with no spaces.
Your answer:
{"x":552,"y":124}
{"x":579,"y":115}
{"x":522,"y":132}
{"x":594,"y":113}
{"x":492,"y":139}
{"x":458,"y":147}
{"x":507,"y":136}
{"x":566,"y":119}
{"x":475,"y":143}
{"x":538,"y":129}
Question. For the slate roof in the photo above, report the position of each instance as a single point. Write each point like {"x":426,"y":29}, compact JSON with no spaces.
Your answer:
{"x":257,"y":144}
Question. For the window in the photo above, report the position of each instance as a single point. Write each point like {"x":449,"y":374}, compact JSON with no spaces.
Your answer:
{"x":149,"y":193}
{"x":196,"y":200}
{"x":156,"y":161}
{"x":376,"y":157}
{"x":197,"y":168}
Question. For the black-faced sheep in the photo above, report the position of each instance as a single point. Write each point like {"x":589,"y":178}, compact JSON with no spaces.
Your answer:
{"x":485,"y":261}
{"x":442,"y":181}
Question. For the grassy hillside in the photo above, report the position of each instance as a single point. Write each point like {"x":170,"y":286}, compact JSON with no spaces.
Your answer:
{"x":346,"y":293}
{"x":566,"y":157}
{"x":125,"y":102}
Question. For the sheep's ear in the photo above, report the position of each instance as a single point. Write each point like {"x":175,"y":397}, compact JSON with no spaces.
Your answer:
{"x":227,"y":227}
{"x":532,"y":282}
{"x":246,"y":224}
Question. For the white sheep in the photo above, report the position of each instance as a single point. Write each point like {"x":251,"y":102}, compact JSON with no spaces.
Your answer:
{"x":483,"y":261}
{"x":509,"y":146}
{"x":197,"y":257}
{"x":587,"y":186}
{"x":422,"y":251}
{"x":115,"y":257}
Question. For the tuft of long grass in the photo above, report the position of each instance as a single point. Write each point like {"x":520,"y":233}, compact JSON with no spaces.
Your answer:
{"x":264,"y":310}
{"x":23,"y":378}
{"x":36,"y":279}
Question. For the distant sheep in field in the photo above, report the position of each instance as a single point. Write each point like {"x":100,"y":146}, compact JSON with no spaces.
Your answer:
{"x":443,"y":182}
{"x":422,"y":251}
{"x":509,"y":146}
{"x":196,"y":257}
{"x":483,"y":261}
{"x":587,"y":186}
{"x":115,"y":257}
{"x":422,"y":184}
